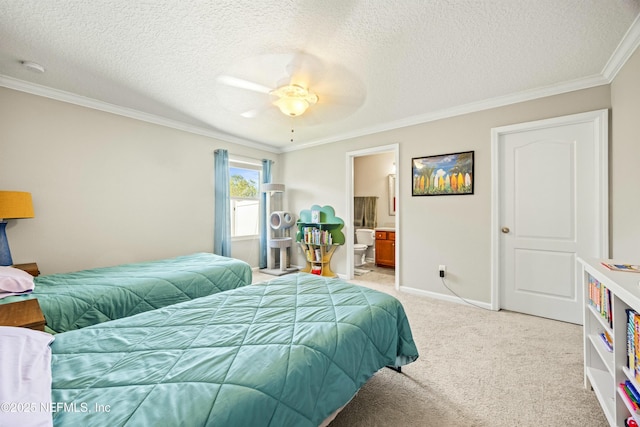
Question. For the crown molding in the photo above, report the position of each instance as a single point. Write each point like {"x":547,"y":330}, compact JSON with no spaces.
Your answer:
{"x":627,"y":46}
{"x":59,"y":95}
{"x":584,"y":83}
{"x":623,"y":52}
{"x":71,"y":98}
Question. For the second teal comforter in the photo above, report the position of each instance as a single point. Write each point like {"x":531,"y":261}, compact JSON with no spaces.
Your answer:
{"x":88,"y":297}
{"x":289,"y":352}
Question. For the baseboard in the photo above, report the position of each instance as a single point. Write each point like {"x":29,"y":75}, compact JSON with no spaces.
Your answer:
{"x":444,"y":297}
{"x":429,"y":294}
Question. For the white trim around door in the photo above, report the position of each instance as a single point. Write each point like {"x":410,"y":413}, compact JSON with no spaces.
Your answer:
{"x":599,"y":121}
{"x":350,"y":156}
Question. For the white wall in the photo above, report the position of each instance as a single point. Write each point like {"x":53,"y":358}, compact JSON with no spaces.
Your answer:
{"x":370,"y":179}
{"x":106,"y":189}
{"x":624,"y":162}
{"x":450,"y":230}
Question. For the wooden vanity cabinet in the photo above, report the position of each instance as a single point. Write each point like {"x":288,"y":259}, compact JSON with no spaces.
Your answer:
{"x":386,"y":248}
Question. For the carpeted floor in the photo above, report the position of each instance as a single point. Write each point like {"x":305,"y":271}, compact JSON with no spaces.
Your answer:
{"x":477,"y":368}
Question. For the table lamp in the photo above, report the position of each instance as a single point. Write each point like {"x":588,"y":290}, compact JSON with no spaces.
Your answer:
{"x":13,"y":205}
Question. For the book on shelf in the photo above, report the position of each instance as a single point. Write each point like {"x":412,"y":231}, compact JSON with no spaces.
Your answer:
{"x":600,"y":300}
{"x":608,"y":342}
{"x":622,"y":267}
{"x":633,"y":347}
{"x":628,"y":396}
{"x":634,"y":393}
{"x":315,"y":236}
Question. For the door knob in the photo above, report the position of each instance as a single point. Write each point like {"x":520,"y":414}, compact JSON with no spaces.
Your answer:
{"x":505,"y":230}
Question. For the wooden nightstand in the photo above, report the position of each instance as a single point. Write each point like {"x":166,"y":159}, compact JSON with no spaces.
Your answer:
{"x":30,"y":267}
{"x":25,"y":314}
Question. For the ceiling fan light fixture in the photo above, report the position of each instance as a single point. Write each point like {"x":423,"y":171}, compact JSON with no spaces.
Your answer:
{"x":292,"y":106}
{"x":293,"y":100}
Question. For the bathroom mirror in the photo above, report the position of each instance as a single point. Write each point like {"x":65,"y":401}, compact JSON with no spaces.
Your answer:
{"x":392,"y":194}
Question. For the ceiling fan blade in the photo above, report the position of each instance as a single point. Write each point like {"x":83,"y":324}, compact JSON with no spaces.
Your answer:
{"x":304,"y":69}
{"x":340,"y":88}
{"x":250,"y":114}
{"x":322,"y":114}
{"x":242,"y":84}
{"x":353,"y":99}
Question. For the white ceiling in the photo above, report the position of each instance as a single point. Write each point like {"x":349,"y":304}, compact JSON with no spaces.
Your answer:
{"x":375,"y":65}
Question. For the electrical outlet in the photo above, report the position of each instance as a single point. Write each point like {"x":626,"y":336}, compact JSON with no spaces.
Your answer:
{"x":443,"y":269}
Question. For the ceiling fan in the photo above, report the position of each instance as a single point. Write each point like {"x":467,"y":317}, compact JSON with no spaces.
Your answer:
{"x":291,"y":83}
{"x":292,"y":99}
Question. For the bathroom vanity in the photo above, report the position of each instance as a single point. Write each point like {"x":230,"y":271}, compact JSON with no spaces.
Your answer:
{"x":386,"y":247}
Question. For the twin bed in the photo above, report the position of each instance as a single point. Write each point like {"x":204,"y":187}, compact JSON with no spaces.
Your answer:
{"x":75,"y":300}
{"x":288,"y":352}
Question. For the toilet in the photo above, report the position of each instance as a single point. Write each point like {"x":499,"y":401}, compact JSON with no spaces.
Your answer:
{"x":364,"y":238}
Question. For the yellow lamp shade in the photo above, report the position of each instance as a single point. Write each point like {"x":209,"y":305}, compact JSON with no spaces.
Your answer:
{"x":15,"y":204}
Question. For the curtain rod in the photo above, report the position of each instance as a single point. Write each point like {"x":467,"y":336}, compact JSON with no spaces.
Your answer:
{"x":240,"y":158}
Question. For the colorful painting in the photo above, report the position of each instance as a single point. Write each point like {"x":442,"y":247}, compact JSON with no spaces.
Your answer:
{"x":442,"y":175}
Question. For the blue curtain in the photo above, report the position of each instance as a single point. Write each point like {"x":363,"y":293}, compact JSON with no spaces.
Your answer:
{"x":266,"y":179}
{"x":222,"y":218}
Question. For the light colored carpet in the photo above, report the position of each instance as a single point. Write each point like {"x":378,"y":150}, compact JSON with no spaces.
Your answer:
{"x":477,"y":368}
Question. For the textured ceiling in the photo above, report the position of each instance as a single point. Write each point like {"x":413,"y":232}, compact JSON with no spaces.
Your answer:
{"x":375,"y":65}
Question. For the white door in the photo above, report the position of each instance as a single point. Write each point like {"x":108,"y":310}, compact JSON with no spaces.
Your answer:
{"x":550,"y":180}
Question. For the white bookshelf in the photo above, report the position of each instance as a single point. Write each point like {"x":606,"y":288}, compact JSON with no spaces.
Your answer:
{"x":604,"y":370}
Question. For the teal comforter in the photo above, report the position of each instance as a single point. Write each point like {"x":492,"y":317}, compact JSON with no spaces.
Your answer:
{"x":288,"y":352}
{"x":83,"y":298}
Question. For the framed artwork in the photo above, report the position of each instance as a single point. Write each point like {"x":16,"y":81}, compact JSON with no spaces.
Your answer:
{"x":442,"y":175}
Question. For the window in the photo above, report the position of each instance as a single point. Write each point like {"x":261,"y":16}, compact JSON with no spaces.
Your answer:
{"x":244,"y":191}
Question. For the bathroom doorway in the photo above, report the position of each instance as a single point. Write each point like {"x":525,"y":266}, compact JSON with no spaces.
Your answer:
{"x":385,"y":182}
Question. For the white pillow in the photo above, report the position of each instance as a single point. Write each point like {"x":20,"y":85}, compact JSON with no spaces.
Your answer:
{"x":14,"y":281}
